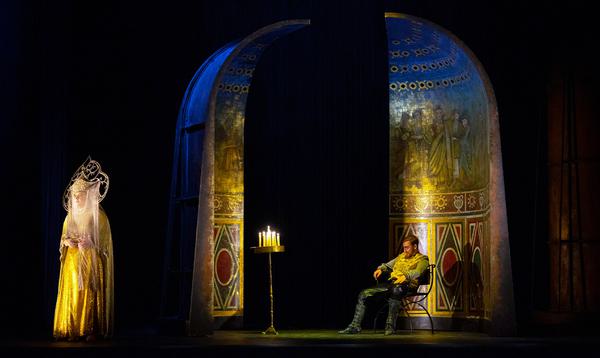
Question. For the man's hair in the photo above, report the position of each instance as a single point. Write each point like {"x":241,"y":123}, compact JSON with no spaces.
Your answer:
{"x":411,"y":238}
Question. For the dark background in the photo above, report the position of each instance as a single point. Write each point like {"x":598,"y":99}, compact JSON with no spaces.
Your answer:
{"x":106,"y":79}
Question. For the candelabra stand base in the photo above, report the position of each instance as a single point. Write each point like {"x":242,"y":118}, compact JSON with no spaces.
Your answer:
{"x":269,"y":250}
{"x":271,"y":331}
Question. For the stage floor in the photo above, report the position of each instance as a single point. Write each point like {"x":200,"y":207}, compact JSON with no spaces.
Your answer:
{"x":307,"y":343}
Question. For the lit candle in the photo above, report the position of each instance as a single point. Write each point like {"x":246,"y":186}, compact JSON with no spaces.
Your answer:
{"x":269,"y":236}
{"x":278,"y":242}
{"x":259,"y":240}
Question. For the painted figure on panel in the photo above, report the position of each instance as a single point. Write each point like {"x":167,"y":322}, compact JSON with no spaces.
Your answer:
{"x":395,"y":279}
{"x":415,"y":165}
{"x":399,"y":146}
{"x":466,"y":151}
{"x":459,"y":147}
{"x":229,"y":154}
{"x":438,"y":162}
{"x":84,"y":305}
{"x":433,"y":149}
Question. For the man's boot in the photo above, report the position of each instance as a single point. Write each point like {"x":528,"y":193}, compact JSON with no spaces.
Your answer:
{"x":359,"y":313}
{"x":390,"y":323}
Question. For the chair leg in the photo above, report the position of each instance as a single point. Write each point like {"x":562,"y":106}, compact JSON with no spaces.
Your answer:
{"x":377,"y":316}
{"x":409,"y":318}
{"x":405,"y":307}
{"x":428,"y":315}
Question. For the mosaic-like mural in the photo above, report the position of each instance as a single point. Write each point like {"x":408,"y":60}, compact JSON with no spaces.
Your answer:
{"x":207,"y":190}
{"x":230,"y":109}
{"x":227,"y":264}
{"x":449,"y":255}
{"x":477,"y":272}
{"x":439,"y":160}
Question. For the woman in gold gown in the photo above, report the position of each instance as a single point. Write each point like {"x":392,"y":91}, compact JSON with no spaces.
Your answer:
{"x":84,"y":305}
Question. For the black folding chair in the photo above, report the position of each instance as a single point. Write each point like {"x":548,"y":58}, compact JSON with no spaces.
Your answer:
{"x":417,"y":298}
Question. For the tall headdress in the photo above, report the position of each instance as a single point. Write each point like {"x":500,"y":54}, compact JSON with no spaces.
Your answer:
{"x":89,"y":173}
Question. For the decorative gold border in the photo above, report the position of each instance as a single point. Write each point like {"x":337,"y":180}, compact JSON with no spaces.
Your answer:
{"x":240,"y":222}
{"x":434,"y":291}
{"x":483,"y":242}
{"x":230,"y":313}
{"x":439,"y":203}
{"x":396,"y":15}
{"x":230,"y":205}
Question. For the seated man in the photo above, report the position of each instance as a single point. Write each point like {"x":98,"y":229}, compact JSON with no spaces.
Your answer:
{"x":404,"y":272}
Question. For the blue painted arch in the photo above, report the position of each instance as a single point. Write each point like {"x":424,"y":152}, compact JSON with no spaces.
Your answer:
{"x":220,"y":86}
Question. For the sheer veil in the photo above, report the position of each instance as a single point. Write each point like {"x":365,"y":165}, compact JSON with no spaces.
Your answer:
{"x":88,"y":187}
{"x":83,"y":228}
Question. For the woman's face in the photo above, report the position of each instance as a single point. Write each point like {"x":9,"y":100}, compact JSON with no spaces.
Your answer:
{"x":80,"y":198}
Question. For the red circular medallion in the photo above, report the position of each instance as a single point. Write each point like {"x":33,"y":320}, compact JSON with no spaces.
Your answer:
{"x":224,"y":267}
{"x":450,"y":267}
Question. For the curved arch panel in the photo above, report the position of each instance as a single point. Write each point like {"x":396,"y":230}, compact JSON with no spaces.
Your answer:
{"x":207,"y":190}
{"x":443,"y":129}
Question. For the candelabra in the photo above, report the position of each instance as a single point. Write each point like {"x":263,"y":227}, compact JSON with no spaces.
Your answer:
{"x":268,"y":243}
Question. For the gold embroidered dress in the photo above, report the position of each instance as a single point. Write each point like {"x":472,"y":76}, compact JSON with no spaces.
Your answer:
{"x":84,"y":304}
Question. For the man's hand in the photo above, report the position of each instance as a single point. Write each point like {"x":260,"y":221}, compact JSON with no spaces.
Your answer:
{"x":377,"y":273}
{"x":396,"y":280}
